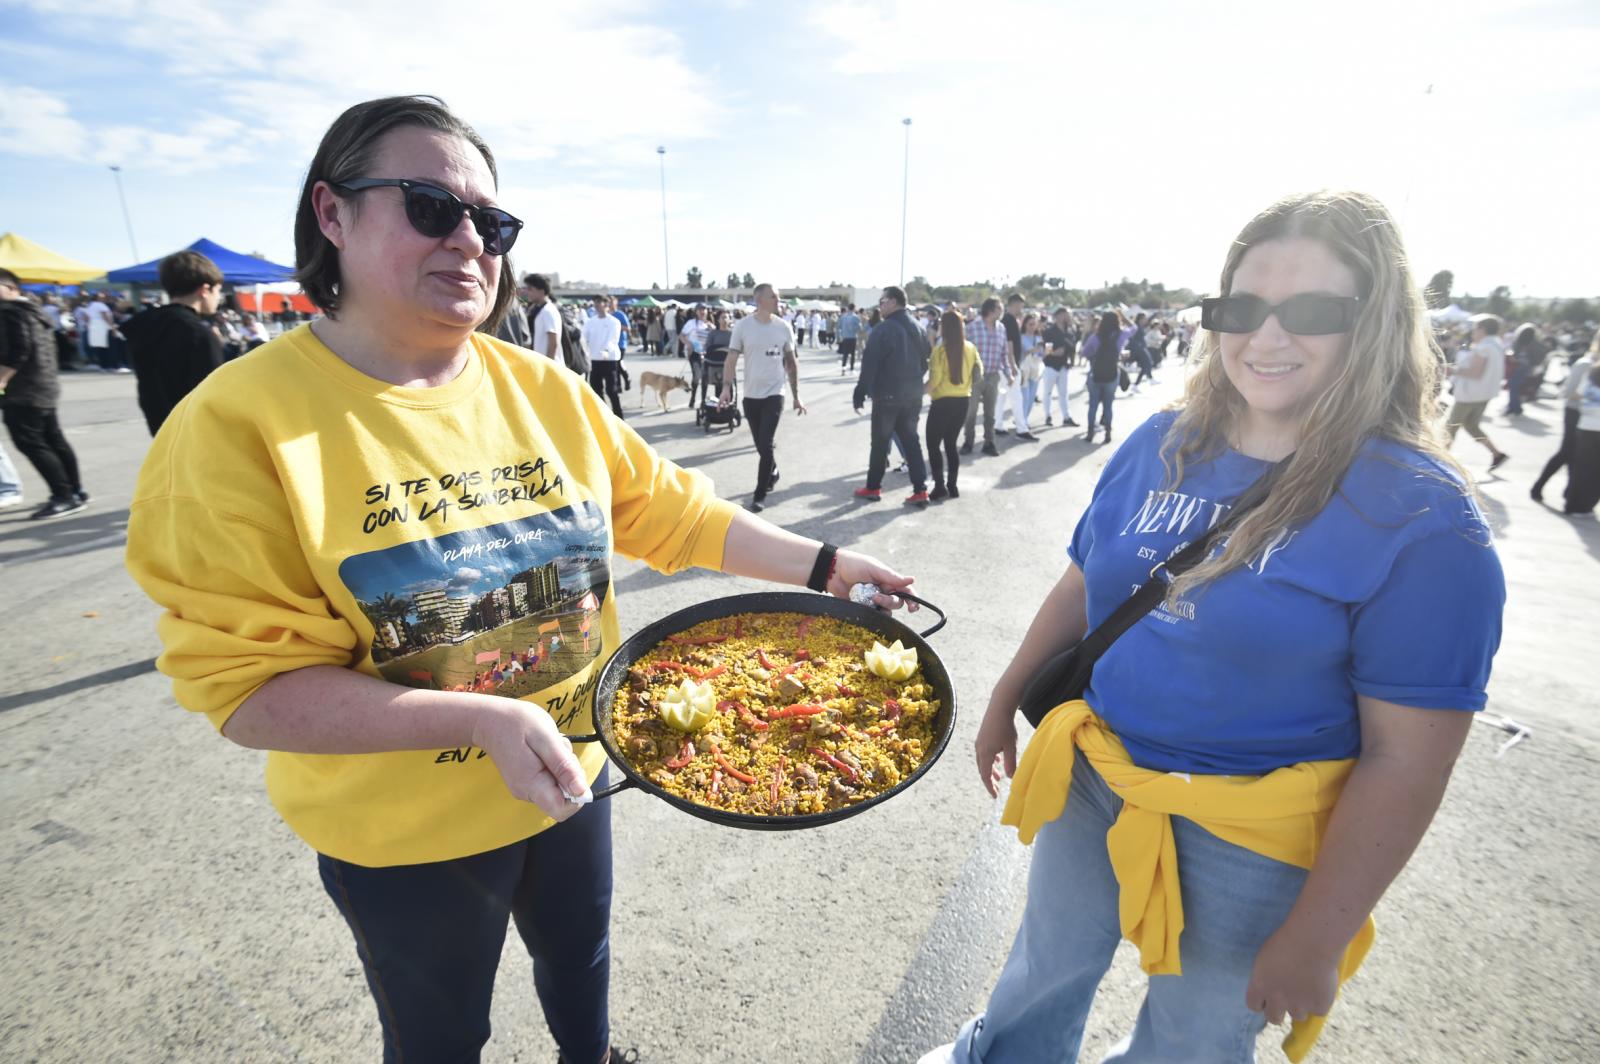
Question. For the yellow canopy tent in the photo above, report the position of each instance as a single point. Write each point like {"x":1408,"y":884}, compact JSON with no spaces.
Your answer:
{"x":34,"y":264}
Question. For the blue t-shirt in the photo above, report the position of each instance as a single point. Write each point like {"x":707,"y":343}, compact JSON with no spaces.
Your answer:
{"x":1393,"y":591}
{"x":849,"y":326}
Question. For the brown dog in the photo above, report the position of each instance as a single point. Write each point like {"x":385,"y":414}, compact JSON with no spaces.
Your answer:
{"x":663,"y":383}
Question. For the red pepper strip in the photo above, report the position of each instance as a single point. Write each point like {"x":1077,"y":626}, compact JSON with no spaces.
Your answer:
{"x":706,"y":674}
{"x":685,"y":755}
{"x":738,"y":627}
{"x":680,"y":666}
{"x":891,"y":708}
{"x":728,"y":768}
{"x":761,"y":656}
{"x":787,"y":669}
{"x":802,"y":654}
{"x":838,"y":766}
{"x":805,"y":623}
{"x":683,"y":640}
{"x":799,"y":709}
{"x":744,"y":713}
{"x":777,"y":780}
{"x":716,"y":781}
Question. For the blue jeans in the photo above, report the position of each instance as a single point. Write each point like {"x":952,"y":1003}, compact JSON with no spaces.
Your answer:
{"x":1232,"y":901}
{"x":430,"y":936}
{"x":1101,"y":395}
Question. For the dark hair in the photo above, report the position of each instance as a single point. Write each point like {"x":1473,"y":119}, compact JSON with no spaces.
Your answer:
{"x":1014,"y":297}
{"x":988,"y":304}
{"x":348,"y":148}
{"x":953,"y":334}
{"x":184,"y":272}
{"x":1489,"y":324}
{"x":7,"y":277}
{"x":896,"y":293}
{"x":539,"y":281}
{"x":1109,"y":331}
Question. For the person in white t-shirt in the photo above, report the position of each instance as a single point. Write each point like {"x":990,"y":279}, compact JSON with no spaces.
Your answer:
{"x":818,"y":324}
{"x":693,"y":335}
{"x":767,"y":345}
{"x":544,"y":320}
{"x":1476,"y":378}
{"x":98,"y":317}
{"x":602,"y":335}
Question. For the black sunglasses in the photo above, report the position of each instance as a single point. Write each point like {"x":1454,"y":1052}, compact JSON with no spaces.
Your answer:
{"x":435,"y":212}
{"x":1307,"y":314}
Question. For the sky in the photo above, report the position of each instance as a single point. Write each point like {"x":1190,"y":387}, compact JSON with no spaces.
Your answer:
{"x":1086,"y":141}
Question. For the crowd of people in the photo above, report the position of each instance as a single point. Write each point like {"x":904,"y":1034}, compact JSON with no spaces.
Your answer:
{"x":1233,"y":790}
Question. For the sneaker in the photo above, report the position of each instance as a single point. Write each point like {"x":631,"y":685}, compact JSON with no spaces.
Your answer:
{"x":954,"y":494}
{"x":1002,"y":432}
{"x":872,"y":494}
{"x":966,"y":448}
{"x":1069,"y":423}
{"x":57,"y":508}
{"x":755,"y":506}
{"x":1088,"y":437}
{"x":945,"y":1054}
{"x":81,"y":496}
{"x":617,"y":1056}
{"x":1536,"y":495}
{"x":991,"y":450}
{"x":1108,"y":434}
{"x":917,"y":498}
{"x":11,"y":498}
{"x":1048,"y":423}
{"x":1030,"y":437}
{"x":1497,"y":461}
{"x":937,"y":493}
{"x":122,"y":369}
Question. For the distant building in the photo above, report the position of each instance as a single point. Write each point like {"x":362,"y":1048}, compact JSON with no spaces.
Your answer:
{"x":541,"y":586}
{"x":450,"y":611}
{"x":519,"y":599}
{"x":388,"y":636}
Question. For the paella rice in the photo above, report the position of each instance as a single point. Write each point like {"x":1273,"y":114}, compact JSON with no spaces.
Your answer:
{"x":800,"y":724}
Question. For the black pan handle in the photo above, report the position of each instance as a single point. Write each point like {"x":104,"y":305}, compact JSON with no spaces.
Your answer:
{"x":922,"y":602}
{"x":627,"y":781}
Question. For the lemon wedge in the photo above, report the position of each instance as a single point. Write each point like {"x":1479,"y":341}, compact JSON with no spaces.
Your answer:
{"x":687,"y":707}
{"x":892,"y":662}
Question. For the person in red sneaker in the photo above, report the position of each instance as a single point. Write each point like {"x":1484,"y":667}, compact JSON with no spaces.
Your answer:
{"x":892,"y":369}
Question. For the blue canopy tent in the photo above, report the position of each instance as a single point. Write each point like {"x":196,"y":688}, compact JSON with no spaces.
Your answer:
{"x":236,"y":269}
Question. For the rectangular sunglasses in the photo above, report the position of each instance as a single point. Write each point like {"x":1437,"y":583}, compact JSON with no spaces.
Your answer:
{"x":1307,"y":314}
{"x":435,"y":212}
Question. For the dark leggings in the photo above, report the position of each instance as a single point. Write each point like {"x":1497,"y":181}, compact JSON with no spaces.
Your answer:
{"x":606,"y":379}
{"x":37,"y":434}
{"x":430,"y":936}
{"x":945,"y":419}
{"x":1563,"y":456}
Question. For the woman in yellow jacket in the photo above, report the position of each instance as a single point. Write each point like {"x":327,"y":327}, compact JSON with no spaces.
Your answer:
{"x":951,"y":369}
{"x":1256,"y":758}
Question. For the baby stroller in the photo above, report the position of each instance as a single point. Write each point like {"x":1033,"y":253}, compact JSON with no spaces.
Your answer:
{"x":711,"y":413}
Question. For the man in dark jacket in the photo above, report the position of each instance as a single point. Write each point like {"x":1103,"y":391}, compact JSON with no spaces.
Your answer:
{"x":892,"y":368}
{"x":173,"y":347}
{"x":32,"y":384}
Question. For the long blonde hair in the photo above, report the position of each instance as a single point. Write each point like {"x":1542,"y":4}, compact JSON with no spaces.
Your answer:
{"x":1385,"y":387}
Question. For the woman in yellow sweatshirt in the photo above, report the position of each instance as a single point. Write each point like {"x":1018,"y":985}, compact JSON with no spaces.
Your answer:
{"x":382,"y":544}
{"x":951,"y":369}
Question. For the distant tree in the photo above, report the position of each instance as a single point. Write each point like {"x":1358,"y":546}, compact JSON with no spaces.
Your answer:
{"x":1577,"y":311}
{"x":1437,"y":294}
{"x":747,"y":281}
{"x":693,"y":278}
{"x":654,"y":287}
{"x":1499,"y":301}
{"x":733,"y":281}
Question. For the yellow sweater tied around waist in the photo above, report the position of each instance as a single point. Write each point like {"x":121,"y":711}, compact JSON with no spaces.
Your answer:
{"x":1282,"y":815}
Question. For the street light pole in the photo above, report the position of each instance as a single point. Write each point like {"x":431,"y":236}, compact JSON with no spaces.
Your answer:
{"x":666,"y":259}
{"x":116,"y":172}
{"x":905,"y":185}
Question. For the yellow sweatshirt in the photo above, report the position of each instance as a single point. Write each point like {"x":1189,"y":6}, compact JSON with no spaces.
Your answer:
{"x":939,"y":386}
{"x":294,"y":512}
{"x":1282,"y":815}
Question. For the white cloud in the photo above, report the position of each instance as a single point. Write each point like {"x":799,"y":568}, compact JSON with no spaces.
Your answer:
{"x":33,"y":122}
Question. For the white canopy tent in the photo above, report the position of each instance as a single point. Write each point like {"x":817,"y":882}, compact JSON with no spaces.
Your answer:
{"x":1451,"y":315}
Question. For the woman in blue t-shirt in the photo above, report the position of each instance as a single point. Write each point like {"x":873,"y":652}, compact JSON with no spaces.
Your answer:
{"x":1329,"y":652}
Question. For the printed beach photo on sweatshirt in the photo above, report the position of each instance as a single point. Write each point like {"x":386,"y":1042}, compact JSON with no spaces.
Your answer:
{"x":509,"y":609}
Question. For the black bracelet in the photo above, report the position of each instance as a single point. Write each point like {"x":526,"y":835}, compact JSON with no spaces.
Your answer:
{"x":822,"y":568}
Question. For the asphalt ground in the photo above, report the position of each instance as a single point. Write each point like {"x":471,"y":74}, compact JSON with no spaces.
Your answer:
{"x":156,"y":909}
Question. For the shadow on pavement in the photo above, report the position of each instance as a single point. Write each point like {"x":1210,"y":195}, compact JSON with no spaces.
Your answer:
{"x":81,"y":683}
{"x":63,"y":537}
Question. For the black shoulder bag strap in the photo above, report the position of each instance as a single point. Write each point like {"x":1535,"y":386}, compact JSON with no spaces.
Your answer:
{"x":1066,"y":676}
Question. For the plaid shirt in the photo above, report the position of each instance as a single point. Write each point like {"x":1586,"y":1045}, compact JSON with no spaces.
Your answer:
{"x":990,"y":340}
